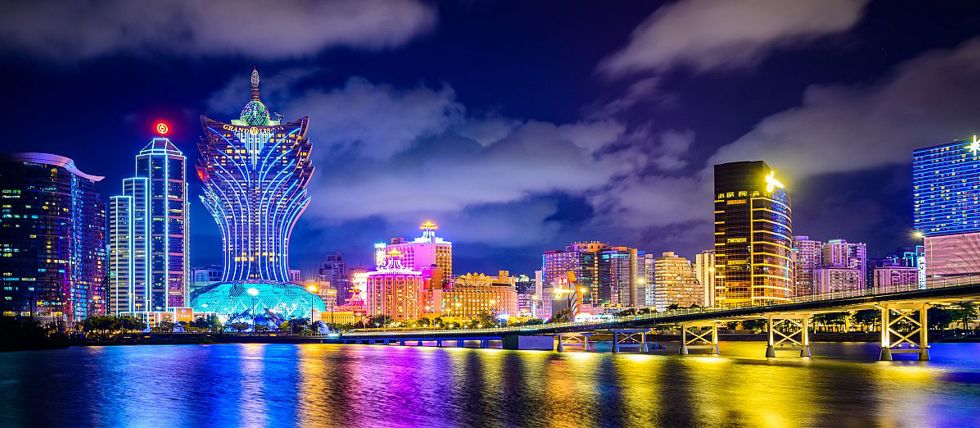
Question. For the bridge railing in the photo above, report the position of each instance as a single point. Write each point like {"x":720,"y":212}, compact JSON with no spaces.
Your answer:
{"x":931,"y":283}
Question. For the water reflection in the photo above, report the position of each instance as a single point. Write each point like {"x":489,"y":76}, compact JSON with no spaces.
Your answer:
{"x":355,"y":386}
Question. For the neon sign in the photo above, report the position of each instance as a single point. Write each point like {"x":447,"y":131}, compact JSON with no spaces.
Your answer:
{"x":162,"y":128}
{"x":772,"y":183}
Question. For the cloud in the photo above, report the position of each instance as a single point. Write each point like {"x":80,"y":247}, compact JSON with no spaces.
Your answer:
{"x":924,"y":101}
{"x":714,"y":34}
{"x":377,"y":120}
{"x":263,"y":29}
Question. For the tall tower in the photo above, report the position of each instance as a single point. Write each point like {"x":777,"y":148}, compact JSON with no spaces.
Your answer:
{"x":753,"y":235}
{"x":148,"y":245}
{"x":255,"y":172}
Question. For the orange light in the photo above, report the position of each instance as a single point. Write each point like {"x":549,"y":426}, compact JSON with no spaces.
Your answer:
{"x":162,"y":128}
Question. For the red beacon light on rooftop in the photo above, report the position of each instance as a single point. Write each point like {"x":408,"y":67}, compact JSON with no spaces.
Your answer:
{"x":162,"y":128}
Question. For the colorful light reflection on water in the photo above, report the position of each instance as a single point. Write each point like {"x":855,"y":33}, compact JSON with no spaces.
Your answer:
{"x":354,"y":386}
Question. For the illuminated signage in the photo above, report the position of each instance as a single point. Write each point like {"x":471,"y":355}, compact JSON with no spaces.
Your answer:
{"x":772,"y":183}
{"x":162,"y":128}
{"x":974,"y":146}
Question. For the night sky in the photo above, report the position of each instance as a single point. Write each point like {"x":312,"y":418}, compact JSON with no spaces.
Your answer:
{"x":517,"y":126}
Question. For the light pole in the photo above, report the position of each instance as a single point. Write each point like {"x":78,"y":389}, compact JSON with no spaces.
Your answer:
{"x":254,"y":292}
{"x":312,"y":289}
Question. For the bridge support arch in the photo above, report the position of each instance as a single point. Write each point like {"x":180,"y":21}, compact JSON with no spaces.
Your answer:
{"x":699,"y":337}
{"x":901,"y":323}
{"x":788,"y":330}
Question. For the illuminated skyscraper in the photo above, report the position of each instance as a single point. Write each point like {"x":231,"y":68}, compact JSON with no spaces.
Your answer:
{"x":52,"y":239}
{"x":946,"y":201}
{"x":753,"y":228}
{"x":255,"y":172}
{"x":148,"y":244}
{"x":334,"y":271}
{"x":425,"y":251}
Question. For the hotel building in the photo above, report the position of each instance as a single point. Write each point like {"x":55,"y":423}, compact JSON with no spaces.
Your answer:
{"x":674,"y":283}
{"x":394,"y":290}
{"x":704,"y":271}
{"x":753,"y":229}
{"x":425,"y":251}
{"x":475,"y":294}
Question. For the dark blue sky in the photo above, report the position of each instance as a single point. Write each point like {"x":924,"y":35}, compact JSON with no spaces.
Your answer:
{"x":518,"y":126}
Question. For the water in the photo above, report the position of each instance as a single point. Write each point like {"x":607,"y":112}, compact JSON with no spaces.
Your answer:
{"x":375,"y":386}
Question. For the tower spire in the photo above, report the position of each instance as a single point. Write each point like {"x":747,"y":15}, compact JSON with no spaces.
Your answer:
{"x":255,"y":84}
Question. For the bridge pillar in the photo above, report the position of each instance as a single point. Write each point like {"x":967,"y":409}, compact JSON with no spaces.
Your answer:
{"x":438,"y":343}
{"x":805,"y":339}
{"x":714,"y":339}
{"x":460,"y":343}
{"x":615,"y":342}
{"x":892,"y":317}
{"x":559,"y":345}
{"x":420,"y":343}
{"x":683,"y":350}
{"x":771,"y":344}
{"x":699,"y":337}
{"x":484,"y":343}
{"x":401,"y":342}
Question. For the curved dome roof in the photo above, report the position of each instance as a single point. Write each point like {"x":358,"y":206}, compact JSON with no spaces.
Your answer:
{"x":234,"y":298}
{"x":255,"y":114}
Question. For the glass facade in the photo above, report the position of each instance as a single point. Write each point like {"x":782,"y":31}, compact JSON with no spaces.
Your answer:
{"x":255,"y":172}
{"x":753,"y":235}
{"x":148,"y":244}
{"x":249,"y":300}
{"x":52,"y":239}
{"x":946,"y":188}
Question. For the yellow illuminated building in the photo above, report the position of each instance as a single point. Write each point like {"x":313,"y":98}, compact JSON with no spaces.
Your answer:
{"x":394,"y":291}
{"x":474,"y":294}
{"x":753,"y":235}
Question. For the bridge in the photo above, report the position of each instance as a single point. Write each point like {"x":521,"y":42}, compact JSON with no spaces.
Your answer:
{"x":903,"y":308}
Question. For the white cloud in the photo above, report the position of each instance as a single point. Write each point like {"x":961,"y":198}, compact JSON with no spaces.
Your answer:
{"x":264,"y":29}
{"x":925,"y":101}
{"x":712,"y":34}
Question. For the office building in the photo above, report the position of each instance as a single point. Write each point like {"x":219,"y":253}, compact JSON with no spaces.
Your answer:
{"x":148,"y":245}
{"x":704,"y":271}
{"x":753,"y":229}
{"x":674,"y":283}
{"x":946,"y":206}
{"x":525,"y":287}
{"x":52,"y":239}
{"x":334,"y":271}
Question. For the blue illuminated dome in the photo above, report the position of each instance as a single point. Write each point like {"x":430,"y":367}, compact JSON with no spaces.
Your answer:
{"x":269,"y":299}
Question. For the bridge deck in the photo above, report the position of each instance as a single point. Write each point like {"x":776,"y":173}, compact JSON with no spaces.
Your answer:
{"x":947,"y":291}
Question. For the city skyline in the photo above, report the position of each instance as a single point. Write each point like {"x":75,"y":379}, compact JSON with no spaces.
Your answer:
{"x":468,"y":116}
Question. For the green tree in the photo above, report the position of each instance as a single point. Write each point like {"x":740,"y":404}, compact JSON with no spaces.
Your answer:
{"x":534,"y":321}
{"x":240,"y":327}
{"x":424,"y":322}
{"x":166,"y":326}
{"x":939,"y":318}
{"x":869,"y":318}
{"x":564,"y":315}
{"x":964,"y":312}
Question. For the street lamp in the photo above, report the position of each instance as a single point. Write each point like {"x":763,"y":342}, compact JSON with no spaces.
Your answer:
{"x":312,"y":289}
{"x":254,"y":292}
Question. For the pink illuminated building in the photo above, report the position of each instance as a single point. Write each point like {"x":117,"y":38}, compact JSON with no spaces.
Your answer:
{"x":425,"y":251}
{"x":394,"y":290}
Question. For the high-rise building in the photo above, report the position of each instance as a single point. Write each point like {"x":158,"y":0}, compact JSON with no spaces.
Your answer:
{"x":610,"y":275}
{"x":148,"y":245}
{"x":807,"y":254}
{"x":425,"y":251}
{"x":620,"y":273}
{"x":474,"y":294}
{"x":649,"y":268}
{"x":394,"y":290}
{"x":946,"y":206}
{"x":704,"y":271}
{"x":334,"y":271}
{"x":674,"y":283}
{"x":525,"y":296}
{"x":753,"y":229}
{"x":837,"y":279}
{"x":52,"y":239}
{"x":255,"y":172}
{"x":843,"y":267}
